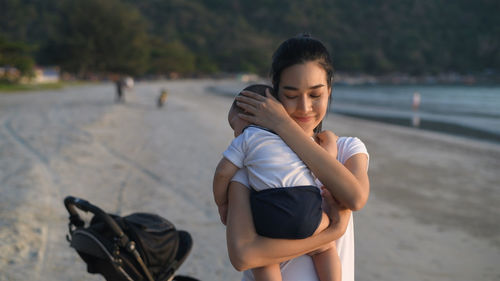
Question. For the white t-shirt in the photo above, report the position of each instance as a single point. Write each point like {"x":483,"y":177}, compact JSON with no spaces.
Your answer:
{"x":302,"y":268}
{"x":269,"y":161}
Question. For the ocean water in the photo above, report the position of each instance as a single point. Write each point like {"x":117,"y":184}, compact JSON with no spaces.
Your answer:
{"x":468,"y":111}
{"x":471,"y":111}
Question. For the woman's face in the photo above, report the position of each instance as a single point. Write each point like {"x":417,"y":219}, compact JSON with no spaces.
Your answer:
{"x":304,"y":93}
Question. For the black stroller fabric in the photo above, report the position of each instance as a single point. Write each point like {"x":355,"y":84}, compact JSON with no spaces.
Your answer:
{"x":137,"y":247}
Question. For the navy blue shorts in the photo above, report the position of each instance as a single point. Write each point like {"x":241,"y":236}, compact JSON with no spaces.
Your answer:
{"x":286,"y":212}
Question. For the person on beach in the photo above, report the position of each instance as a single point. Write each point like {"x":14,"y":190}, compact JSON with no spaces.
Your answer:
{"x":119,"y":83}
{"x":302,"y":76}
{"x":285,"y":201}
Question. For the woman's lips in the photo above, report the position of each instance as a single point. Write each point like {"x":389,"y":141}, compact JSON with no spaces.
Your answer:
{"x":303,"y":119}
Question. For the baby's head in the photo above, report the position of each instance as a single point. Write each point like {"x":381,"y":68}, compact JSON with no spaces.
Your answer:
{"x":236,"y":123}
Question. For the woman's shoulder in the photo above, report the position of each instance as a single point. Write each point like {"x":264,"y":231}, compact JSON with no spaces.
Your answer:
{"x":349,"y":146}
{"x":345,"y":141}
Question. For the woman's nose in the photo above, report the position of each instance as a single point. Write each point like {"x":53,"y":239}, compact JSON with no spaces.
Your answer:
{"x":304,"y":103}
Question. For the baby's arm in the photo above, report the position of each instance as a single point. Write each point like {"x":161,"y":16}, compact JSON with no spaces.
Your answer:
{"x":223,"y":174}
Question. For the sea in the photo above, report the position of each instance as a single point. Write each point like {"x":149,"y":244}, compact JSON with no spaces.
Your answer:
{"x":465,"y":110}
{"x":471,"y":111}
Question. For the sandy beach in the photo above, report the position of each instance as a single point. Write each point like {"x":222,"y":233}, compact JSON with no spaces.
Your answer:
{"x":433,"y":212}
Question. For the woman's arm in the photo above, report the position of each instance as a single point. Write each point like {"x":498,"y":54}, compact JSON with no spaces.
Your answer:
{"x":349,"y":184}
{"x":248,"y":250}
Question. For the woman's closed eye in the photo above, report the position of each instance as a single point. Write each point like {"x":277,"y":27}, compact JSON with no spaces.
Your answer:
{"x":315,"y":95}
{"x":311,"y":95}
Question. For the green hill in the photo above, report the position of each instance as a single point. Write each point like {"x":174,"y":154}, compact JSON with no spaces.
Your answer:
{"x":206,"y":36}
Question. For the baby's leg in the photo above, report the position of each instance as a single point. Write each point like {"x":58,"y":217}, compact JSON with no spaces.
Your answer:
{"x":326,"y":259}
{"x":327,"y":264}
{"x":267,"y":273}
{"x":325,"y":222}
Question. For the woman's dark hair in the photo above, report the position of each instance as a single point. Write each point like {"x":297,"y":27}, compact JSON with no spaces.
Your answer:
{"x":296,"y":50}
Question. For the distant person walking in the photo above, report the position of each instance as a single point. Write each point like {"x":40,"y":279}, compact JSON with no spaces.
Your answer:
{"x":415,"y":121}
{"x":119,"y":90}
{"x":121,"y":84}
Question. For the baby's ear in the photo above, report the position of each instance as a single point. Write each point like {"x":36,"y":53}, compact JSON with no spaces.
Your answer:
{"x":269,"y":94}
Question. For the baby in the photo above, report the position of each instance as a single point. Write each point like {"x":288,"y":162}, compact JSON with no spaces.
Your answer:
{"x":285,"y":199}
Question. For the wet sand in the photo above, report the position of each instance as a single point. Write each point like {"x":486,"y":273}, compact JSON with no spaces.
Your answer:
{"x":432,"y":213}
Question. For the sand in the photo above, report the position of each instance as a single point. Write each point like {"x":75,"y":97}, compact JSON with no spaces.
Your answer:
{"x":432,"y":214}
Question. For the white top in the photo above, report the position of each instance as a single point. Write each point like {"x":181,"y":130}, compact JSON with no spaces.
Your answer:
{"x":302,"y":268}
{"x":269,"y":161}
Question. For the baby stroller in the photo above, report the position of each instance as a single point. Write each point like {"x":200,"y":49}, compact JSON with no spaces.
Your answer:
{"x":137,"y":247}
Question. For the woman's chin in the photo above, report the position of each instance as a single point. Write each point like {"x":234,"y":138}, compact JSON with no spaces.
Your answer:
{"x":307,"y":124}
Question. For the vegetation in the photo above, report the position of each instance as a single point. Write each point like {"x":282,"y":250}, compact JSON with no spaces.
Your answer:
{"x":15,"y":60}
{"x":99,"y":36}
{"x":206,"y":36}
{"x":11,"y":88}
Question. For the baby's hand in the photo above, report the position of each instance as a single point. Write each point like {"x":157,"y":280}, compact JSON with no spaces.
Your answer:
{"x":223,"y":213}
{"x":335,"y":211}
{"x":328,"y":140}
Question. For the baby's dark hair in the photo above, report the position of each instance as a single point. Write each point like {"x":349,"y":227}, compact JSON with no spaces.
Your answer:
{"x":256,"y":88}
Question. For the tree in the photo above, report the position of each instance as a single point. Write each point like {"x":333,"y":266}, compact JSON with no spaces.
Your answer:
{"x":100,"y":36}
{"x":171,"y":57}
{"x":18,"y":56}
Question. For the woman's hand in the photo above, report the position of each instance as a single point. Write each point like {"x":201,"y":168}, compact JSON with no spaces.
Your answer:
{"x":266,"y":111}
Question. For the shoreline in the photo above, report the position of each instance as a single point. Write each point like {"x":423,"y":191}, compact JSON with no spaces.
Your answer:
{"x":445,"y":78}
{"x":447,"y":128}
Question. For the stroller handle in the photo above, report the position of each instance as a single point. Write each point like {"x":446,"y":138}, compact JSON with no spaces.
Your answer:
{"x":71,"y":202}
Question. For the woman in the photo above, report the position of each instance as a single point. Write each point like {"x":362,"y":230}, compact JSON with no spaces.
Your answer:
{"x":302,"y":75}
